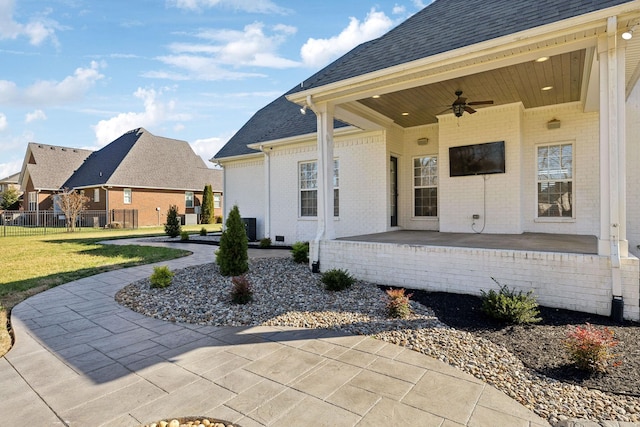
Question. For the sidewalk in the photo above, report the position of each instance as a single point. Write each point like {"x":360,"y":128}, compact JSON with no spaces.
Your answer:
{"x":80,"y":359}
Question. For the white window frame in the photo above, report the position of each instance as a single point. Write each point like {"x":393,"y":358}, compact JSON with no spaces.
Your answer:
{"x":189,"y":202}
{"x":307,"y":185}
{"x":314,"y":188}
{"x":216,"y":200}
{"x":336,"y":188}
{"x":96,"y":195}
{"x":127,"y":196}
{"x":33,"y":201}
{"x":432,"y":181}
{"x":548,"y":178}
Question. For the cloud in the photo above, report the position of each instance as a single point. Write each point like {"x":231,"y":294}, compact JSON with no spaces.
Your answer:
{"x":37,"y":30}
{"x":51,"y":92}
{"x":208,"y":147}
{"x":155,"y":113}
{"x":221,"y":52}
{"x":421,"y":4}
{"x":319,"y":52}
{"x":9,"y":168}
{"x":35,"y":115}
{"x":399,"y":10}
{"x":4,"y":124}
{"x":251,"y":6}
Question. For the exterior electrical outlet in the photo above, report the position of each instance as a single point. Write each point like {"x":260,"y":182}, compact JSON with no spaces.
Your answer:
{"x":476,"y":216}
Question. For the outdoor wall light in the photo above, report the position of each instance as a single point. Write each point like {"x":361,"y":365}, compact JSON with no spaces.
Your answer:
{"x":303,"y":110}
{"x":628,"y":35}
{"x":553,"y":124}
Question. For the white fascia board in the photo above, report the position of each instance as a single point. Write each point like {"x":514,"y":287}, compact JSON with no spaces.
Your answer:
{"x":590,"y":21}
{"x":346,"y":130}
{"x":238,"y":157}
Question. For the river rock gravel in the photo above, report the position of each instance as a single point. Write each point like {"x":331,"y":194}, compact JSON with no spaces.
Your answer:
{"x":288,"y":294}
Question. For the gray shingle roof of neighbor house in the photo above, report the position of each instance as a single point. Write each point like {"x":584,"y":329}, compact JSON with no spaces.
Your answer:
{"x":140,"y":159}
{"x":50,"y":166}
{"x":442,"y":26}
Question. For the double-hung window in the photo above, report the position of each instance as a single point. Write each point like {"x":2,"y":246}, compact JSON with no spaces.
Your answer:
{"x":127,"y":196}
{"x":33,"y":201}
{"x":188,"y":199}
{"x":308,"y":180}
{"x":96,"y":195}
{"x":216,"y":201}
{"x":555,"y":181}
{"x":425,"y":186}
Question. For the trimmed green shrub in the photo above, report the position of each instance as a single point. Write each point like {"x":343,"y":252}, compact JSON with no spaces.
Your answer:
{"x":161,"y":277}
{"x":203,"y":231}
{"x":337,"y":280}
{"x":206,"y":211}
{"x":590,"y":348}
{"x":241,"y":292}
{"x":218,"y":219}
{"x":265,"y":243}
{"x":398,"y":303}
{"x":172,"y":226}
{"x":300,"y":252}
{"x":510,"y":306}
{"x":184,"y":235}
{"x":232,"y":257}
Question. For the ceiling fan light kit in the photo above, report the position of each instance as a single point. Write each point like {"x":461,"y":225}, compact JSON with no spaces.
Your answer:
{"x":460,"y":105}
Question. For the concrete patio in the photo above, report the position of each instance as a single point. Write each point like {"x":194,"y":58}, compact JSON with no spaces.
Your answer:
{"x":80,"y":359}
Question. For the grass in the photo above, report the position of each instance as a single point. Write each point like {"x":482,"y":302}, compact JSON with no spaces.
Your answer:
{"x":33,"y":264}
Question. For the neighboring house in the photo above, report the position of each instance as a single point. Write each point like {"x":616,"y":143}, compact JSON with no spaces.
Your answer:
{"x":147,"y":173}
{"x":44,"y":171}
{"x":12,"y":181}
{"x":392,"y":147}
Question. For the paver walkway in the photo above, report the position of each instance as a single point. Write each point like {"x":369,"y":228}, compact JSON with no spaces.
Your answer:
{"x":80,"y":359}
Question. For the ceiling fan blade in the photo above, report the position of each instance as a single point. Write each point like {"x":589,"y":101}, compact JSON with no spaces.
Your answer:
{"x":479,"y":102}
{"x":469,"y":110}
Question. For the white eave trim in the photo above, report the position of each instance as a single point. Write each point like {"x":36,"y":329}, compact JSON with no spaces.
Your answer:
{"x":345,"y":130}
{"x":584,"y":22}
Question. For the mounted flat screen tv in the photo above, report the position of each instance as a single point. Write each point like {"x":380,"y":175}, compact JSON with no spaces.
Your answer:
{"x":477,"y":159}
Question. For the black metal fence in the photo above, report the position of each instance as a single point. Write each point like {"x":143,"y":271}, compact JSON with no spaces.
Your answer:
{"x":31,"y":223}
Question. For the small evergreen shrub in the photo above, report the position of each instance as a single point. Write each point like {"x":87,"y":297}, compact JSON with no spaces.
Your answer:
{"x":589,"y":348}
{"x":184,"y":235}
{"x":218,"y":219}
{"x":232,"y":257}
{"x":161,"y":277}
{"x":336,"y":280}
{"x":241,"y":292}
{"x":398,"y":303}
{"x":300,"y":252}
{"x":265,"y":243}
{"x":203,"y":231}
{"x":172,"y":226}
{"x":510,"y":306}
{"x":206,"y":210}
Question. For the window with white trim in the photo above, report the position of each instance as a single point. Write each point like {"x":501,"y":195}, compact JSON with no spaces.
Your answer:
{"x":308,"y":181}
{"x":216,"y":201}
{"x":555,"y":180}
{"x":33,"y":201}
{"x":127,"y":196}
{"x":188,"y":199}
{"x":425,"y":186}
{"x":96,"y":195}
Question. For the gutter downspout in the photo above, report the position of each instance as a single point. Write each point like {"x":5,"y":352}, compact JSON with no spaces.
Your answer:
{"x":267,"y":192}
{"x":315,"y":260}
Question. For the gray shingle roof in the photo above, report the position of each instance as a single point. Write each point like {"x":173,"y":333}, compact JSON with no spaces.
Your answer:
{"x":51,"y":166}
{"x":442,"y":26}
{"x":140,"y":159}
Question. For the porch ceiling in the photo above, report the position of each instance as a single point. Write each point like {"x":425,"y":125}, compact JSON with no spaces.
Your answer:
{"x":523,"y":82}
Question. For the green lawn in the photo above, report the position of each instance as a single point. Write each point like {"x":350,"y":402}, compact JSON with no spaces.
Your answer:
{"x":33,"y":264}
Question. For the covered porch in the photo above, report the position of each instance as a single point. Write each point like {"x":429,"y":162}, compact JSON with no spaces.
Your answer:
{"x":537,"y":242}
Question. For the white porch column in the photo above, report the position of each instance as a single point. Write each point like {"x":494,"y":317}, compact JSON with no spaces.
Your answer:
{"x":325,"y":231}
{"x":612,"y":240}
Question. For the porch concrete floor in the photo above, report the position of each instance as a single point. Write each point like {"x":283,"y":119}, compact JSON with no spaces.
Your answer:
{"x":540,"y":242}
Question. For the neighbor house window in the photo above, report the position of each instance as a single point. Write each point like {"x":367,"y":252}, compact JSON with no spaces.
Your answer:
{"x":127,"y":196}
{"x":555,"y":181}
{"x":188,"y":199}
{"x":309,"y":188}
{"x":56,"y":204}
{"x":33,"y":201}
{"x":96,"y":195}
{"x":425,"y":186}
{"x":216,"y":201}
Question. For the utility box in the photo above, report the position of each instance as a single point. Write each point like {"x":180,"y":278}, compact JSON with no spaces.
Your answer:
{"x":190,"y":219}
{"x":250,"y":228}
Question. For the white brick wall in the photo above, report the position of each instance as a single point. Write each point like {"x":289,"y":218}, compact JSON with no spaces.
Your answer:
{"x":633,"y":170}
{"x":244,"y":187}
{"x":571,"y":281}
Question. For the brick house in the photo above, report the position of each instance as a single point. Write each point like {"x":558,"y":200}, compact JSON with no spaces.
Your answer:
{"x":148,"y":173}
{"x":11,"y":181}
{"x":138,"y":171}
{"x":434,"y":156}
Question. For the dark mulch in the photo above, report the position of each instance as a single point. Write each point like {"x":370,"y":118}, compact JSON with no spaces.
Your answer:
{"x":540,"y":346}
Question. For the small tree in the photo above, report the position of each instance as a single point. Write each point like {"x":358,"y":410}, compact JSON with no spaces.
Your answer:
{"x":172,"y":226}
{"x":71,"y":203}
{"x":9,"y":197}
{"x":232,"y":257}
{"x":207,"y":205}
